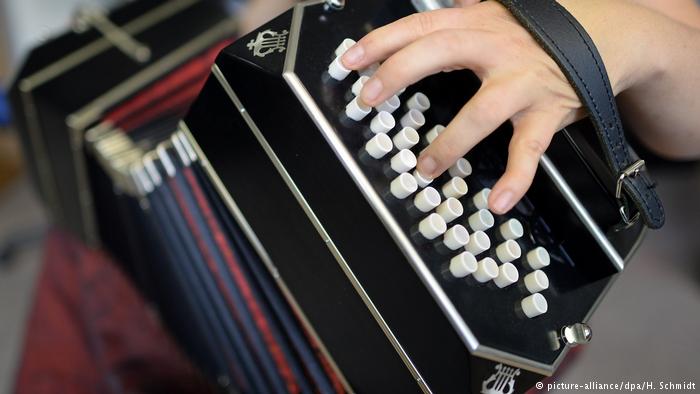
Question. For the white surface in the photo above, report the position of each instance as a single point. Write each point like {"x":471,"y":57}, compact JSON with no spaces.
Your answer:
{"x":462,"y":168}
{"x":456,"y":237}
{"x":433,"y":133}
{"x":463,"y":264}
{"x":536,"y":281}
{"x":379,"y":146}
{"x":422,"y":181}
{"x":413,"y":119}
{"x":508,"y":251}
{"x":479,"y":242}
{"x":487,"y":270}
{"x":534,"y":305}
{"x":403,"y":186}
{"x":407,"y":138}
{"x":337,"y":71}
{"x":432,"y":226}
{"x":356,"y":110}
{"x":403,"y":161}
{"x":419,"y":102}
{"x":450,"y":209}
{"x":455,"y":187}
{"x":358,"y":85}
{"x":481,"y":220}
{"x":390,"y":105}
{"x":481,"y":199}
{"x":537,"y":258}
{"x":382,"y":122}
{"x":507,"y":275}
{"x":511,"y":229}
{"x":427,"y":199}
{"x":344,"y":46}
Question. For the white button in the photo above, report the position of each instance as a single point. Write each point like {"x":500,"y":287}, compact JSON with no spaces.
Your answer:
{"x":370,"y":70}
{"x":456,"y":237}
{"x":356,"y":110}
{"x":507,"y":275}
{"x":433,"y":133}
{"x":432,"y":226}
{"x":481,"y":220}
{"x":450,"y":210}
{"x":390,"y":105}
{"x":403,"y":186}
{"x":413,"y":119}
{"x":419,"y":102}
{"x":403,"y":161}
{"x":481,"y":199}
{"x":512,"y":229}
{"x":400,"y":92}
{"x":534,"y":305}
{"x":536,"y":281}
{"x":455,"y":187}
{"x":422,"y":181}
{"x":337,"y":70}
{"x":508,"y":251}
{"x":538,"y":258}
{"x":427,"y":199}
{"x":463,"y":264}
{"x":462,"y":168}
{"x":478,"y":243}
{"x":344,"y":46}
{"x":407,"y":138}
{"x":379,"y":146}
{"x":358,"y":85}
{"x":382,"y":123}
{"x":487,"y":270}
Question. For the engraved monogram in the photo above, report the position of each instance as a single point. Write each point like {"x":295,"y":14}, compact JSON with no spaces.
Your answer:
{"x":267,"y":42}
{"x":501,"y":382}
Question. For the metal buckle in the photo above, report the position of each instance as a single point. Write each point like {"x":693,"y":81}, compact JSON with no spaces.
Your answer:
{"x":629,"y":172}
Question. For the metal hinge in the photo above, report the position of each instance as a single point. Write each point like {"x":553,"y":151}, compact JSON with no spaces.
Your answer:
{"x":88,"y":17}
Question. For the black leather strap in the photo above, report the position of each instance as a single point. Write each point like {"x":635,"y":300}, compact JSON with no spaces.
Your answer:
{"x":566,"y":41}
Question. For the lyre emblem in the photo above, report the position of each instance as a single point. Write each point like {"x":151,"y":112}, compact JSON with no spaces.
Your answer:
{"x":501,"y":382}
{"x":268,"y":41}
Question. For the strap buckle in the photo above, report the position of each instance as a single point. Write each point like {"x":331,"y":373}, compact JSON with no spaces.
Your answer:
{"x":629,"y":172}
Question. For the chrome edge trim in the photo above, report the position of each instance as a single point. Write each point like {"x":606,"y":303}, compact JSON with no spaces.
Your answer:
{"x":581,"y":212}
{"x":380,"y":209}
{"x":321,"y":230}
{"x":262,"y":252}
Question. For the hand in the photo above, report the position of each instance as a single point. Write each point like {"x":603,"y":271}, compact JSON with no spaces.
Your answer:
{"x":520,"y":83}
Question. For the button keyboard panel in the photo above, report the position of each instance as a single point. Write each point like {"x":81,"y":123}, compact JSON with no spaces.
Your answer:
{"x":448,"y":218}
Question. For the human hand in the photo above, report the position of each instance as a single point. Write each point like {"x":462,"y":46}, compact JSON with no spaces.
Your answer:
{"x":520,"y":82}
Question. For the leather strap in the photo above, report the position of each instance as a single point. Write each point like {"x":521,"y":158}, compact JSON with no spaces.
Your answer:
{"x":566,"y":41}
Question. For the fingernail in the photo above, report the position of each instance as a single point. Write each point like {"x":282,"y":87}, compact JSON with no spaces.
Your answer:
{"x":427,"y":166}
{"x":371,"y":90}
{"x":503,"y":202}
{"x":353,"y":55}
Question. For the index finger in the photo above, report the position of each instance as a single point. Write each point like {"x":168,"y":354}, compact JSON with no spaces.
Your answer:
{"x":386,"y":40}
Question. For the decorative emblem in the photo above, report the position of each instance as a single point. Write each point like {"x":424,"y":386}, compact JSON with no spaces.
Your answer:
{"x":501,"y":382}
{"x":268,"y":41}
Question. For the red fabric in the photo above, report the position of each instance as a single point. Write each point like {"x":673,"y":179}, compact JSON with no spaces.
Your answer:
{"x":90,"y":332}
{"x":259,"y":317}
{"x":158,"y":98}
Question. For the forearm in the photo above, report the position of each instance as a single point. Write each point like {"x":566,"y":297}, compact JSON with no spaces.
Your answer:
{"x":653,"y":61}
{"x":664,"y":111}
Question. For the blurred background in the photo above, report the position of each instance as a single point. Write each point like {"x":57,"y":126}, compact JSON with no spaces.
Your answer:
{"x":645,"y":330}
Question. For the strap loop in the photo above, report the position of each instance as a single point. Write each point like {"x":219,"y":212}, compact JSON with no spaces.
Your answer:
{"x":570,"y":46}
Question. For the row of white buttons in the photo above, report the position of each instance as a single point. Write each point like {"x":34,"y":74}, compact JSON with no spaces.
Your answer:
{"x":434,"y":225}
